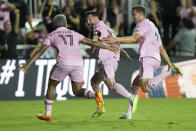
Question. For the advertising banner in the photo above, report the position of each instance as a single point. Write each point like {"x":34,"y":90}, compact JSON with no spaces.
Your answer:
{"x":16,"y":84}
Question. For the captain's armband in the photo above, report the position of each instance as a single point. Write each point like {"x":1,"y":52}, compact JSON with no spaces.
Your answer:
{"x":97,"y":33}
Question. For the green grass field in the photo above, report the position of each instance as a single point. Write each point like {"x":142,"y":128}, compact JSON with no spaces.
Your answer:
{"x":75,"y":115}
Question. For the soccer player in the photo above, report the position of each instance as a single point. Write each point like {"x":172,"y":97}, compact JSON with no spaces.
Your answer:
{"x":107,"y":64}
{"x":69,"y":61}
{"x":150,"y":49}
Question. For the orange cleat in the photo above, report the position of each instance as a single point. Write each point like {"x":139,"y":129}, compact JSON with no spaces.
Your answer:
{"x":99,"y":100}
{"x":44,"y":117}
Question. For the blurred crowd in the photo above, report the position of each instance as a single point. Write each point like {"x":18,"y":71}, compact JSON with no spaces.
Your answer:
{"x":175,"y":20}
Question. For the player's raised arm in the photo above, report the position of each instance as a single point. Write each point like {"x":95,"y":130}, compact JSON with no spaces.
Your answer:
{"x":98,"y":44}
{"x":126,"y":39}
{"x":25,"y":66}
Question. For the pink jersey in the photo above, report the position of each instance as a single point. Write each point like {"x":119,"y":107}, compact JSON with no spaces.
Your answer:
{"x":4,"y":15}
{"x":67,"y":44}
{"x":150,"y":39}
{"x":187,"y":13}
{"x":105,"y":31}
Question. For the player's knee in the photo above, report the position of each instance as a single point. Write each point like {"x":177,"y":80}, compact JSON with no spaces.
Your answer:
{"x":144,"y":88}
{"x":136,"y":83}
{"x":110,"y":85}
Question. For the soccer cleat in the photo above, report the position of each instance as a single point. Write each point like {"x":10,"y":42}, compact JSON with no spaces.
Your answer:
{"x":44,"y":117}
{"x":126,"y":116}
{"x":98,"y":113}
{"x":135,"y":101}
{"x":179,"y":70}
{"x":99,"y":100}
{"x":176,"y":70}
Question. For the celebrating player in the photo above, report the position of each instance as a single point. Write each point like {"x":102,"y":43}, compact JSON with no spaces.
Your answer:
{"x":107,"y":64}
{"x":150,"y":49}
{"x":69,"y":61}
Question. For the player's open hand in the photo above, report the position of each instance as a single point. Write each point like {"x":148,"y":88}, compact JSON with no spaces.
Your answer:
{"x":23,"y":67}
{"x":109,"y":40}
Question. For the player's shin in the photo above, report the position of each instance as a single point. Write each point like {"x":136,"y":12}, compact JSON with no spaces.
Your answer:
{"x":152,"y":83}
{"x":99,"y":100}
{"x":118,"y":88}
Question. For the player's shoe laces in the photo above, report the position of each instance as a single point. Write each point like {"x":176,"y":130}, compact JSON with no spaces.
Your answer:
{"x":176,"y":70}
{"x":126,"y":116}
{"x":98,"y":113}
{"x":44,"y":117}
{"x":134,"y":104}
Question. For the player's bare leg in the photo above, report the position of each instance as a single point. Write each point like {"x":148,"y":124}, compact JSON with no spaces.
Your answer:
{"x":118,"y":88}
{"x":81,"y":92}
{"x":49,"y":100}
{"x":95,"y":81}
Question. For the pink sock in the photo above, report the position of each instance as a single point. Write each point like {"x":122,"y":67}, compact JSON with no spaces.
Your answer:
{"x":89,"y":94}
{"x":129,"y":108}
{"x":156,"y":80}
{"x":118,"y":88}
{"x":134,"y":90}
{"x":96,"y":88}
{"x":48,"y":106}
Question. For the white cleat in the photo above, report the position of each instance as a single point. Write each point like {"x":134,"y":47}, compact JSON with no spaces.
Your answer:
{"x":126,"y":116}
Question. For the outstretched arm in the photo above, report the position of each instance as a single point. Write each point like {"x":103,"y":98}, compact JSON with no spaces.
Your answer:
{"x":98,"y":45}
{"x":25,"y":67}
{"x":95,"y":38}
{"x":17,"y":21}
{"x":10,"y":5}
{"x":126,"y":39}
{"x":165,"y":56}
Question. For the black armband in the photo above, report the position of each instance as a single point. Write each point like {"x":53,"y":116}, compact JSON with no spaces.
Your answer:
{"x":97,"y":33}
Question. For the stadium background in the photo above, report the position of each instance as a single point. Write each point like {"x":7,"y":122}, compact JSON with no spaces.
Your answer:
{"x":171,"y":106}
{"x":32,"y":85}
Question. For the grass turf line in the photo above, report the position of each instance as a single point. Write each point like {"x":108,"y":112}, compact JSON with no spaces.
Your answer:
{"x":158,"y":114}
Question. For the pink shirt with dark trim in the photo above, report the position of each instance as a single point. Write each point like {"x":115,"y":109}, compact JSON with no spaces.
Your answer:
{"x":105,"y":31}
{"x":149,"y":41}
{"x":66,"y":43}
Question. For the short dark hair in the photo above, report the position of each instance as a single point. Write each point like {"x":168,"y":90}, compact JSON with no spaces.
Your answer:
{"x":94,"y":13}
{"x":140,"y":8}
{"x":188,"y":23}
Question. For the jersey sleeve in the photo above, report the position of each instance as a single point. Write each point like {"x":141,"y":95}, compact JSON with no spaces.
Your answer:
{"x":48,"y":40}
{"x":139,"y":30}
{"x":78,"y":36}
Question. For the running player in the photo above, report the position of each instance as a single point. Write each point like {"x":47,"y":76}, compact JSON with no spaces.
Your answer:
{"x":107,"y":64}
{"x":69,"y":61}
{"x":150,"y":49}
